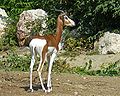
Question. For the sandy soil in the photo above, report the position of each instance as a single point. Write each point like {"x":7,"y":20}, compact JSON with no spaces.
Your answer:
{"x":17,"y":84}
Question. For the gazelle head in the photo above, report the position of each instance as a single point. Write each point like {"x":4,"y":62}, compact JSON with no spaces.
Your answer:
{"x":66,"y":20}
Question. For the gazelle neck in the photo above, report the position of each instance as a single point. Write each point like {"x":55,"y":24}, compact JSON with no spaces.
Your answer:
{"x":59,"y":30}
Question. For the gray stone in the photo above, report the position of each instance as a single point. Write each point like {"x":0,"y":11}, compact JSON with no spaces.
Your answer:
{"x":29,"y":16}
{"x":109,"y":43}
{"x":3,"y":21}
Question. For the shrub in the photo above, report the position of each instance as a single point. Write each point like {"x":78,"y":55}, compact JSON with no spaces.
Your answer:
{"x":14,"y":62}
{"x":9,"y":38}
{"x":61,"y":66}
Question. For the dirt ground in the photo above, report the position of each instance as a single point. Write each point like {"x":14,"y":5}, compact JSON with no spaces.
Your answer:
{"x":17,"y":84}
{"x":64,"y":84}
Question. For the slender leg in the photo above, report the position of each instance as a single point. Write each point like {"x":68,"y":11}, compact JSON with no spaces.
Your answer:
{"x":43,"y":57}
{"x":49,"y":71}
{"x":31,"y":69}
{"x":39,"y":73}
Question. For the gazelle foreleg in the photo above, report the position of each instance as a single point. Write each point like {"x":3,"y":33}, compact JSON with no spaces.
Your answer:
{"x":50,"y":69}
{"x":40,"y":67}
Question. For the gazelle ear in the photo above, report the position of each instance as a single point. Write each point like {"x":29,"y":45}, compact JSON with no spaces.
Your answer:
{"x":62,"y":14}
{"x":61,"y":17}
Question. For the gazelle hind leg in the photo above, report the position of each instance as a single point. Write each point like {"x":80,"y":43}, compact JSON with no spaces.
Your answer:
{"x":31,"y":68}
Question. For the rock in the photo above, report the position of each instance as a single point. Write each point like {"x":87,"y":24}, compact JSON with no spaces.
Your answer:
{"x":3,"y":20}
{"x":24,"y":25}
{"x":109,"y":43}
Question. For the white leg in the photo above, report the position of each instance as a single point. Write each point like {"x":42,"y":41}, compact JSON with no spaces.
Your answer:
{"x":39,"y":73}
{"x":31,"y":69}
{"x":49,"y":72}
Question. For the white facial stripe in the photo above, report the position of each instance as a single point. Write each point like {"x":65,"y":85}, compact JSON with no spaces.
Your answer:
{"x":69,"y":22}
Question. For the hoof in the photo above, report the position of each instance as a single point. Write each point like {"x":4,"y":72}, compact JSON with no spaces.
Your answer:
{"x":45,"y":91}
{"x":48,"y":90}
{"x":30,"y":90}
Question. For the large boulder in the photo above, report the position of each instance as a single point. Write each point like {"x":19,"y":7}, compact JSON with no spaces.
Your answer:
{"x":3,"y":21}
{"x":109,"y":43}
{"x":24,"y":29}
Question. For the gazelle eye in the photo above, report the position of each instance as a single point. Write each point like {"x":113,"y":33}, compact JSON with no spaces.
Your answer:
{"x":65,"y":17}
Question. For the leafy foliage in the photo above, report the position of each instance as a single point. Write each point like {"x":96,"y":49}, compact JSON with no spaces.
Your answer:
{"x":35,"y":26}
{"x":14,"y":62}
{"x":9,"y":38}
{"x":91,"y":16}
{"x":112,"y":69}
{"x":71,"y":44}
{"x":61,"y":66}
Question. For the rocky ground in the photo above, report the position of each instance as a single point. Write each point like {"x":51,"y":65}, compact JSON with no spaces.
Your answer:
{"x":17,"y":84}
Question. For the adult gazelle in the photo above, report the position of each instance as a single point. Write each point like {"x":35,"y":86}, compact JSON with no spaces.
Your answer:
{"x":47,"y":47}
